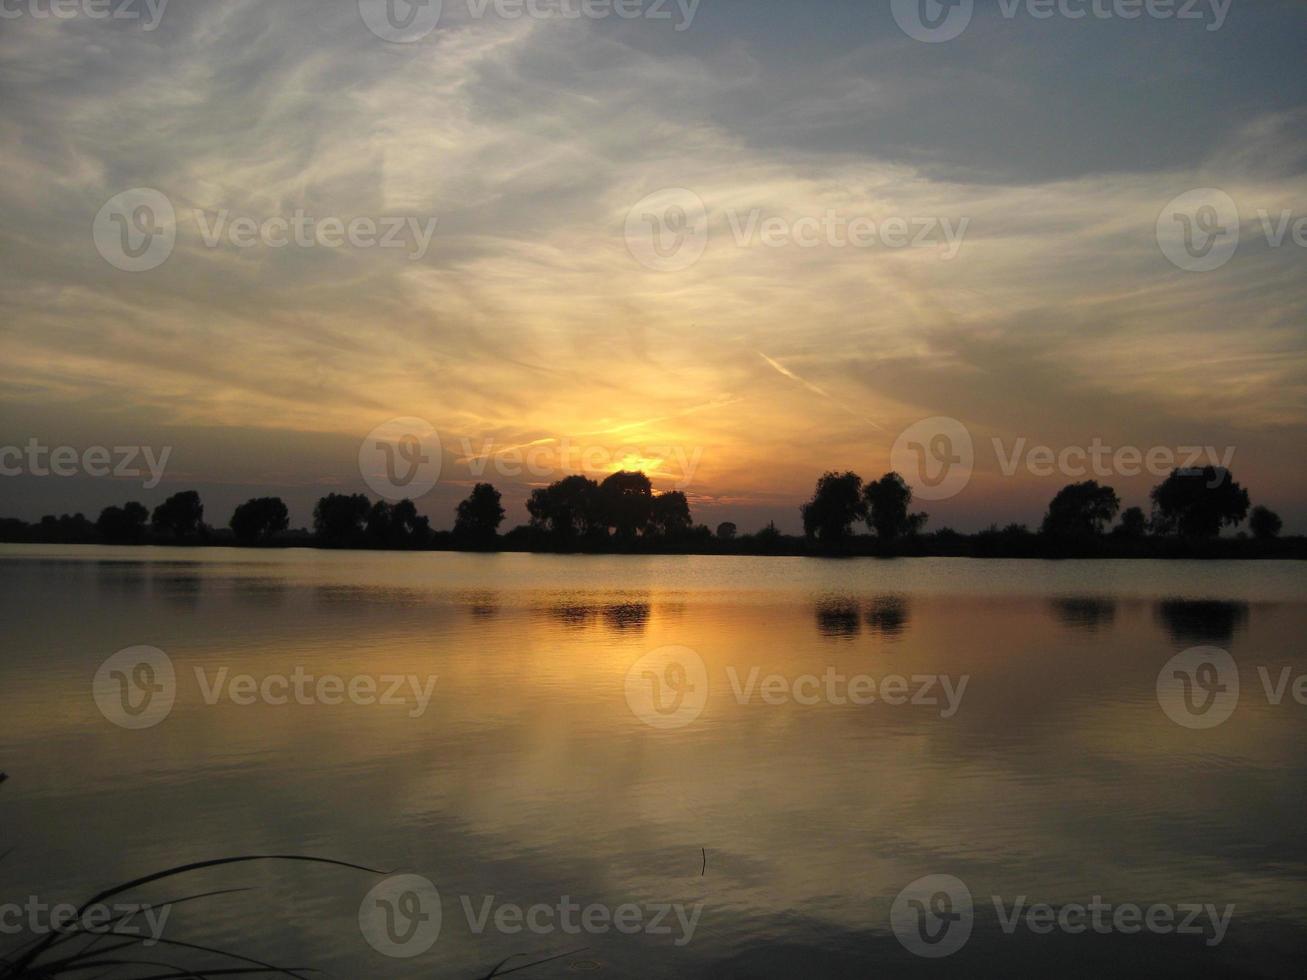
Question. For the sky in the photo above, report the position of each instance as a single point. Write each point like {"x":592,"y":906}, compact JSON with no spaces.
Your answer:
{"x":734,"y":244}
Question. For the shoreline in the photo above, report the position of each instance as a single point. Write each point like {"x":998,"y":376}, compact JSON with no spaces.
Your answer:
{"x":979,"y":546}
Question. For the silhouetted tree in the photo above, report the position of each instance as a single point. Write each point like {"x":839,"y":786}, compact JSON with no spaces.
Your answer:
{"x":1134,"y":524}
{"x":626,"y":502}
{"x":378,"y":525}
{"x":179,"y":516}
{"x":1081,"y":510}
{"x":887,"y":501}
{"x":123,"y":525}
{"x":256,"y":521}
{"x":408,"y":527}
{"x":670,"y":515}
{"x":570,"y":507}
{"x":726,"y":531}
{"x":1198,"y":502}
{"x":479,"y":516}
{"x":1265,"y":523}
{"x":339,"y":519}
{"x":769,"y":535}
{"x":834,"y":507}
{"x":75,"y":529}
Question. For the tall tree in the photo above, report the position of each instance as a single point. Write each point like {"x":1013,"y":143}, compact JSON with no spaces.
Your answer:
{"x":835,"y":505}
{"x":123,"y":525}
{"x":569,"y":508}
{"x":887,"y":501}
{"x":378,"y":523}
{"x":1198,"y":502}
{"x":339,"y":519}
{"x":257,"y":521}
{"x":179,"y":516}
{"x":670,"y":514}
{"x":479,"y":516}
{"x":408,"y":527}
{"x":1265,"y":523}
{"x":626,"y":501}
{"x":1081,"y":510}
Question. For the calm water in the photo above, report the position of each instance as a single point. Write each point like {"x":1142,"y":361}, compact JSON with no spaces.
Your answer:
{"x":545,"y":766}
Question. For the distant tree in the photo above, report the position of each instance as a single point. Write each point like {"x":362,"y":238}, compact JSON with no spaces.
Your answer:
{"x":1081,"y":510}
{"x":378,"y":523}
{"x":670,"y":515}
{"x":1134,"y":524}
{"x":769,"y":535}
{"x":569,"y":508}
{"x":726,"y":531}
{"x":1265,"y":523}
{"x":75,"y":529}
{"x":479,"y":516}
{"x":409,"y":528}
{"x":834,"y":507}
{"x":1198,"y":502}
{"x":257,"y":521}
{"x":179,"y":516}
{"x":626,"y":502}
{"x":700,"y":534}
{"x":123,"y":525}
{"x":887,"y":501}
{"x":340,"y":520}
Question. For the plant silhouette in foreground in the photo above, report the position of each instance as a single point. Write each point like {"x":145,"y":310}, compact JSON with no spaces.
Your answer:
{"x":85,"y":949}
{"x":80,"y":948}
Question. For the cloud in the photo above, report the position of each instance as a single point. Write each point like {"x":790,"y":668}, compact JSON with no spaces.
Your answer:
{"x":529,"y":321}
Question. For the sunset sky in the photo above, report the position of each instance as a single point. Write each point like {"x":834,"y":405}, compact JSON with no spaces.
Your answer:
{"x":529,"y":318}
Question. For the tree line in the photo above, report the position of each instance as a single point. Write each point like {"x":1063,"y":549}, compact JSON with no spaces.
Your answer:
{"x":574,"y":511}
{"x":1190,"y":503}
{"x":623,"y":513}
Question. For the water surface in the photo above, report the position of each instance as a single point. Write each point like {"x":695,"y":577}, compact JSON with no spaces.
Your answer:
{"x":534,"y":772}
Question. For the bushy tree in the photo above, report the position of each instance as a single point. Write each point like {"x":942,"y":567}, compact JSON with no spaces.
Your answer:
{"x":1198,"y":502}
{"x":340,"y":519}
{"x":670,"y":515}
{"x":397,"y":525}
{"x":626,"y":502}
{"x":836,"y":504}
{"x":258,"y":521}
{"x":569,"y":508}
{"x":412,"y":529}
{"x":726,"y":531}
{"x":887,"y":501}
{"x":479,"y":516}
{"x":1265,"y":524}
{"x":378,"y":523}
{"x":123,"y":525}
{"x":1081,"y":510}
{"x":1134,"y":524}
{"x":179,"y":516}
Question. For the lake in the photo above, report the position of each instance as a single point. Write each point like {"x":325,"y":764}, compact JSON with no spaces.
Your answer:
{"x":666,"y":766}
